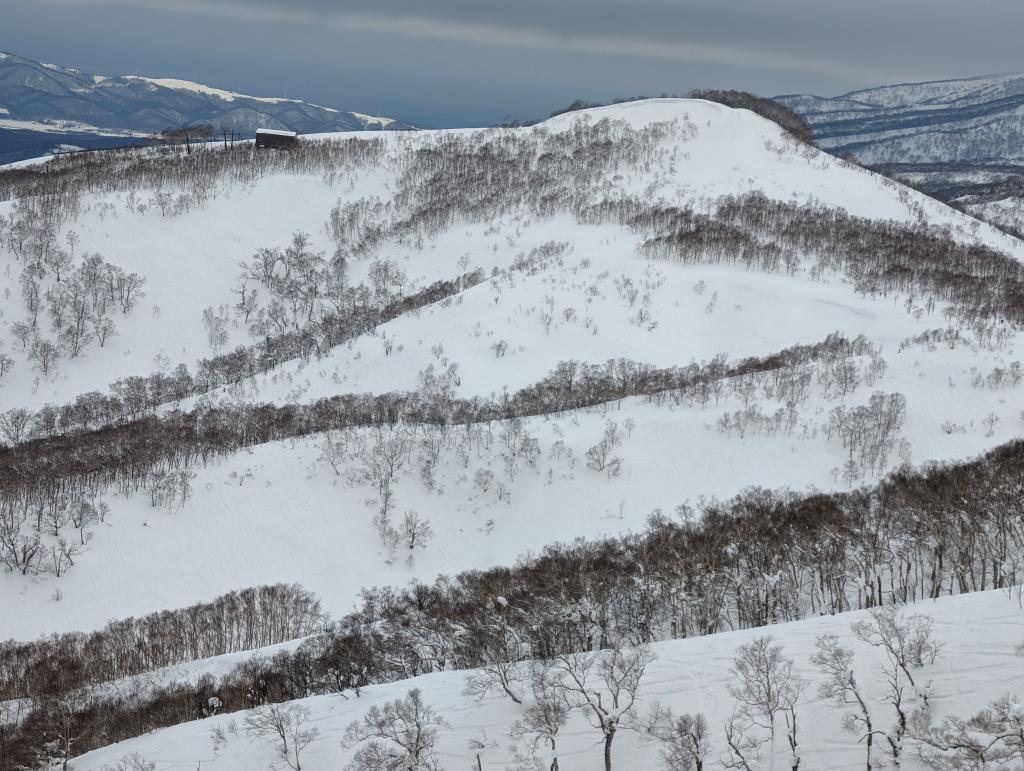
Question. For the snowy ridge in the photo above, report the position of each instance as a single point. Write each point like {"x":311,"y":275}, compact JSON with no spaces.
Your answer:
{"x":941,"y":92}
{"x":228,"y":96}
{"x":65,"y":127}
{"x":958,"y":140}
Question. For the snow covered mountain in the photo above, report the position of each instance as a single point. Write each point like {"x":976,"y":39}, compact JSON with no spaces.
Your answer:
{"x":635,"y":374}
{"x":45,"y":105}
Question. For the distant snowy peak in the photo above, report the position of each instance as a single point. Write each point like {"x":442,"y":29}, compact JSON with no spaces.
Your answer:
{"x":373,"y":120}
{"x":198,"y":88}
{"x":34,"y":94}
{"x":228,"y":96}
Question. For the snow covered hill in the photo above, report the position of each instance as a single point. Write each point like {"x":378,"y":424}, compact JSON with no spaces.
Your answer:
{"x":384,"y":357}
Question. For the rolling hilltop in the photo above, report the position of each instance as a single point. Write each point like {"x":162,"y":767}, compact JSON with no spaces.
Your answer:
{"x":395,"y":410}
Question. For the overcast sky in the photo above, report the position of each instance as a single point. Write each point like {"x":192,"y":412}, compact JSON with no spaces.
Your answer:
{"x":474,"y":62}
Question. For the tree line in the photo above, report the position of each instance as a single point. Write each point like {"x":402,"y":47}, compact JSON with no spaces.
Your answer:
{"x":237,"y":621}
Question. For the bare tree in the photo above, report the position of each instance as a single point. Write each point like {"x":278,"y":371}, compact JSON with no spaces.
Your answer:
{"x":542,"y":720}
{"x":685,"y":739}
{"x":742,"y":748}
{"x":767,"y":686}
{"x":14,"y":424}
{"x":908,"y":641}
{"x":604,"y":687}
{"x":59,"y":261}
{"x":503,"y":651}
{"x":415,"y":530}
{"x":840,"y":685}
{"x":215,"y":322}
{"x":894,"y":695}
{"x":287,"y":723}
{"x":45,"y":355}
{"x":384,"y":461}
{"x":23,"y":332}
{"x":104,"y":329}
{"x":483,"y":480}
{"x":401,"y":735}
{"x":599,"y":457}
{"x":993,"y":736}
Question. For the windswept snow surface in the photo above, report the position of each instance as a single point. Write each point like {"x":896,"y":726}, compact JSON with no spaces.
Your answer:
{"x":277,"y":513}
{"x":977,"y":665}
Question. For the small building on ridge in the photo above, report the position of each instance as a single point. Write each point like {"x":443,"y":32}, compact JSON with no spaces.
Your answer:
{"x":280,"y":140}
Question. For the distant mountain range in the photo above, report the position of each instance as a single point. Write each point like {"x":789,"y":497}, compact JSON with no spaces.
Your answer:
{"x":45,"y":107}
{"x":977,"y":120}
{"x":961,"y":141}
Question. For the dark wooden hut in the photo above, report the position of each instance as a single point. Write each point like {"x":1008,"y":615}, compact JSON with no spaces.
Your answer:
{"x":280,"y":140}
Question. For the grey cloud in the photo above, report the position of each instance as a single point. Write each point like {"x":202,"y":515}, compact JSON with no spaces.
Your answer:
{"x":453,"y":30}
{"x":457,"y":61}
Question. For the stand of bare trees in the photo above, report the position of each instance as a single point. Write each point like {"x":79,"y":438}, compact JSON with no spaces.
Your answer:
{"x":237,"y":621}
